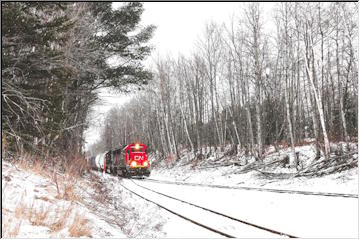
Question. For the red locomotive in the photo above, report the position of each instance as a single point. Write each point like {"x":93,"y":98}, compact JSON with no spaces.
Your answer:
{"x":132,"y":160}
{"x":136,"y":159}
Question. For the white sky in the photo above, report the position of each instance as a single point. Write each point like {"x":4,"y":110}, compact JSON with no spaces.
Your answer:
{"x":179,"y":27}
{"x":180,"y":24}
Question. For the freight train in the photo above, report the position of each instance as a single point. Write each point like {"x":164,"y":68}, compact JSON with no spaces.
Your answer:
{"x":131,"y":160}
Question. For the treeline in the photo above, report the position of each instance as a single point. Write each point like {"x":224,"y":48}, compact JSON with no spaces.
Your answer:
{"x":248,"y":88}
{"x":55,"y":56}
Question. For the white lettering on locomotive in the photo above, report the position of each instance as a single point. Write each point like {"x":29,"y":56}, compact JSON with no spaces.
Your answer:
{"x":137,"y":158}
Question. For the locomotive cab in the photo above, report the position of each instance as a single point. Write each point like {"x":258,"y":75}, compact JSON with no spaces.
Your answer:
{"x":136,"y":158}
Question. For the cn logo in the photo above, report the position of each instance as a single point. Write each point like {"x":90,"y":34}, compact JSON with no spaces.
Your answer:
{"x":137,"y":158}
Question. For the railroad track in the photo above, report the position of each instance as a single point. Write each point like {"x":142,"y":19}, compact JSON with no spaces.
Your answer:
{"x":258,"y":189}
{"x":222,"y":216}
{"x":180,"y":215}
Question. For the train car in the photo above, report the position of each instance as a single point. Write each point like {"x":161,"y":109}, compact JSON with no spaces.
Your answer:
{"x":131,"y":160}
{"x":114,"y":161}
{"x":100,"y":161}
{"x":91,"y":162}
{"x":136,"y":160}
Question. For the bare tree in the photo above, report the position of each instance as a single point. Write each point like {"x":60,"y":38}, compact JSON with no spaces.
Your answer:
{"x":255,"y":47}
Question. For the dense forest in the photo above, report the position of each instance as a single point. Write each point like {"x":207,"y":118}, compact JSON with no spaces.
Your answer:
{"x":248,"y":88}
{"x":55,"y":56}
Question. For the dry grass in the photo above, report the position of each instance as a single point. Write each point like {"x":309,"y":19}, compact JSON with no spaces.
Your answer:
{"x":39,"y":217}
{"x":40,"y":168}
{"x":24,"y":162}
{"x":20,"y":210}
{"x":15,"y":231}
{"x":69,"y":191}
{"x":80,"y":227}
{"x":61,"y":215}
{"x":62,"y":171}
{"x":34,"y":164}
{"x":73,"y":167}
{"x":74,"y":164}
{"x":65,"y":186}
{"x":36,"y":217}
{"x":8,"y":230}
{"x":44,"y":198}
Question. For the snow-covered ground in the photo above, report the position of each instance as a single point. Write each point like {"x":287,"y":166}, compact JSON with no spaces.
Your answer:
{"x":344,"y":182}
{"x":164,"y":223}
{"x":101,"y":207}
{"x":299,"y":215}
{"x":31,"y":208}
{"x":184,"y":170}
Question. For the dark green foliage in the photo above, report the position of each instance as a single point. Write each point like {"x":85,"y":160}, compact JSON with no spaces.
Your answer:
{"x":54,"y":57}
{"x":30,"y":69}
{"x":121,"y":38}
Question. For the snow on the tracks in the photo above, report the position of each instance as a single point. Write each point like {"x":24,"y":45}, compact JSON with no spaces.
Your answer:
{"x":299,"y":215}
{"x":212,"y":220}
{"x":160,"y":222}
{"x":296,"y":214}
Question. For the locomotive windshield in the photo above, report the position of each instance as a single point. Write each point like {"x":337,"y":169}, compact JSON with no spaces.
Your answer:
{"x":139,"y":149}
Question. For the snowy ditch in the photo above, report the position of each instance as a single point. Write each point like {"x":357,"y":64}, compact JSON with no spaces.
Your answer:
{"x":31,"y":208}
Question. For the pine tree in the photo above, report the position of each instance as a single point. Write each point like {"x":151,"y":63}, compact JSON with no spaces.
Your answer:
{"x":54,"y":58}
{"x":121,"y":37}
{"x":30,"y":69}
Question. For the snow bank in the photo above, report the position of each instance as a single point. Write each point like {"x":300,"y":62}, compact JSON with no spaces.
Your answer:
{"x":101,"y":208}
{"x":220,"y":169}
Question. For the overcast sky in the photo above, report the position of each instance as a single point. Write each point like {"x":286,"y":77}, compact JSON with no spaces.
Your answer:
{"x":179,"y":26}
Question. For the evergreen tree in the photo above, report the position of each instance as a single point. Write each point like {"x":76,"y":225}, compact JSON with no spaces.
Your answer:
{"x":31,"y":74}
{"x":120,"y":37}
{"x":54,"y":58}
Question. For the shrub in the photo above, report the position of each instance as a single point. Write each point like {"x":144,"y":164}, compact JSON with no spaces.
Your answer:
{"x":39,"y":217}
{"x":61,"y":215}
{"x":79,"y":227}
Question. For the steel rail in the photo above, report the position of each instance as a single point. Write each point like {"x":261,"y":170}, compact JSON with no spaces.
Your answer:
{"x":218,"y":213}
{"x":327,"y":194}
{"x":179,"y":215}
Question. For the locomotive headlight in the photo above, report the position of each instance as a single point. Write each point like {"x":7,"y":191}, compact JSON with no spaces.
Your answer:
{"x":137,"y":146}
{"x":146,"y":163}
{"x":133,"y":164}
